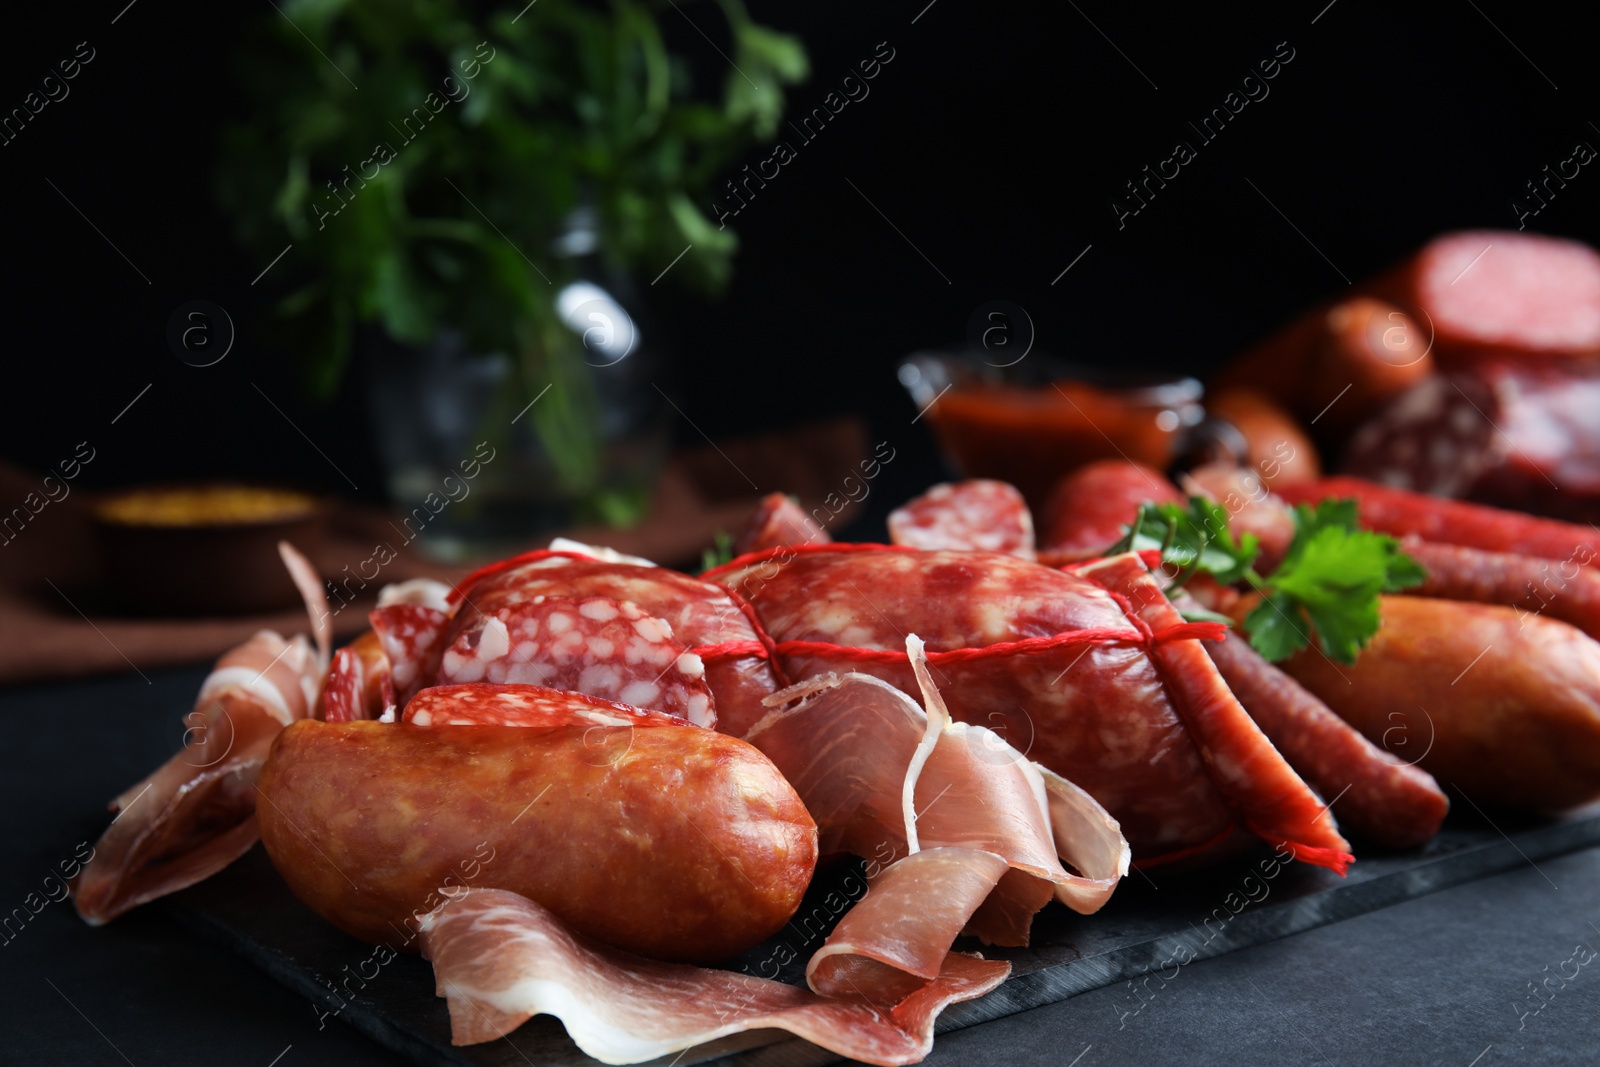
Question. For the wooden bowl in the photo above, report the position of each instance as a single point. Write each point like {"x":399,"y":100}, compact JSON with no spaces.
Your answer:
{"x":205,"y":549}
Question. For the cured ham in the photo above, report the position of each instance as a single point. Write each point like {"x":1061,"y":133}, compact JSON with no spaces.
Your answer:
{"x":196,"y":813}
{"x":981,"y":515}
{"x":1064,"y":669}
{"x":499,"y":959}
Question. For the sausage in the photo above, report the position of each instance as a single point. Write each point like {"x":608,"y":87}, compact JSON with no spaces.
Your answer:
{"x":687,"y":846}
{"x":1089,"y":508}
{"x":1506,"y":705}
{"x":1452,"y":522}
{"x":1437,"y":437}
{"x":1277,"y":449}
{"x":1497,"y":292}
{"x":779,"y":521}
{"x":1368,"y":353}
{"x":1373,"y":793}
{"x":980,"y":515}
{"x":1564,"y":590}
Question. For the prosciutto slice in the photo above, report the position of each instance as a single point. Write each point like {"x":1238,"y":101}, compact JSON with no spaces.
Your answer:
{"x":196,"y":813}
{"x":499,"y":959}
{"x":885,"y":779}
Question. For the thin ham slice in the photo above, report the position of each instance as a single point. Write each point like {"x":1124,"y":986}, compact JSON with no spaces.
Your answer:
{"x":886,"y":779}
{"x":499,"y":959}
{"x":196,"y":813}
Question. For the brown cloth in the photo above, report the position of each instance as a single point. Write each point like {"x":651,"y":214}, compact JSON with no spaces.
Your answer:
{"x":55,"y":621}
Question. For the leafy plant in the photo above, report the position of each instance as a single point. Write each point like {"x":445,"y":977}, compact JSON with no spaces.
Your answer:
{"x":421,"y":155}
{"x":1328,"y":583}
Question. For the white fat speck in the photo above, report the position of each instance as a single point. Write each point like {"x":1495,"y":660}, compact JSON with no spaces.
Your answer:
{"x":697,"y":708}
{"x":599,"y":678}
{"x":640,"y":694}
{"x":422,"y":718}
{"x":1465,"y":420}
{"x":600,"y":552}
{"x":420,"y":592}
{"x":652,"y":629}
{"x":691,"y":665}
{"x":558,"y":622}
{"x":601,"y":648}
{"x":494,"y":641}
{"x":598,"y":610}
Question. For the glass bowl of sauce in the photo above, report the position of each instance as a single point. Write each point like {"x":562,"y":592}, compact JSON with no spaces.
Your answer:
{"x":1031,"y":423}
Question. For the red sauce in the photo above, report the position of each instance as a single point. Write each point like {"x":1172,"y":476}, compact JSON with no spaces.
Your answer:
{"x":1030,"y":437}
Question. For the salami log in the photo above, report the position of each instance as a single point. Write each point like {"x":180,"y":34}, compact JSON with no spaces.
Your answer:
{"x":1404,"y":513}
{"x":1373,"y":793}
{"x":1051,"y":661}
{"x":980,"y":515}
{"x":1506,"y":705}
{"x":1561,"y":589}
{"x":687,"y":846}
{"x":1497,"y":292}
{"x":1090,"y":508}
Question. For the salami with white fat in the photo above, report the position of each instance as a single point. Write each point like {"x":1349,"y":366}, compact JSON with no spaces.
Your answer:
{"x":980,"y":515}
{"x":598,"y":645}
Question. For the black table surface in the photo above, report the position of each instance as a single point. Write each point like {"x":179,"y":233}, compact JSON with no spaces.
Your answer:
{"x":1443,"y":979}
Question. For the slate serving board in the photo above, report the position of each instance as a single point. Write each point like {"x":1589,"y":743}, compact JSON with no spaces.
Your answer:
{"x":1154,"y":926}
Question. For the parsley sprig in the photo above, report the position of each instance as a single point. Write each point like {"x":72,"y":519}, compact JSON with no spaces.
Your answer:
{"x":1327,"y":584}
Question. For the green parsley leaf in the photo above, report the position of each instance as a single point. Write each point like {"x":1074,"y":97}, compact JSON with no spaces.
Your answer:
{"x":1196,"y":540}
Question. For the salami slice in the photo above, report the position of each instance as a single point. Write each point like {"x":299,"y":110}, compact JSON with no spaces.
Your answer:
{"x":483,"y":704}
{"x":1520,"y":436}
{"x":980,"y":515}
{"x":411,"y":637}
{"x":1489,"y":292}
{"x":598,"y":645}
{"x":702,"y":615}
{"x":779,"y":521}
{"x":1090,"y":508}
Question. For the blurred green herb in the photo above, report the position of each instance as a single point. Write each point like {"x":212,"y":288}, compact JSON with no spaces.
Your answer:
{"x":720,"y":552}
{"x":421,"y":156}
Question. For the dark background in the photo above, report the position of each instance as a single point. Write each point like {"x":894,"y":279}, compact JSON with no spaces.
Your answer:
{"x":995,"y":140}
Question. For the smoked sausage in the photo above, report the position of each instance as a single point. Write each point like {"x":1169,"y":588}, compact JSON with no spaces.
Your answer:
{"x":1509,"y":701}
{"x":677,"y":842}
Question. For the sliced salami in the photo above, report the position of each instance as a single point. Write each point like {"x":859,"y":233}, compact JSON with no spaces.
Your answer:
{"x":779,"y":521}
{"x":1516,"y":435}
{"x":598,"y":645}
{"x":483,"y":704}
{"x":358,"y":685}
{"x":980,"y":515}
{"x":412,"y":637}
